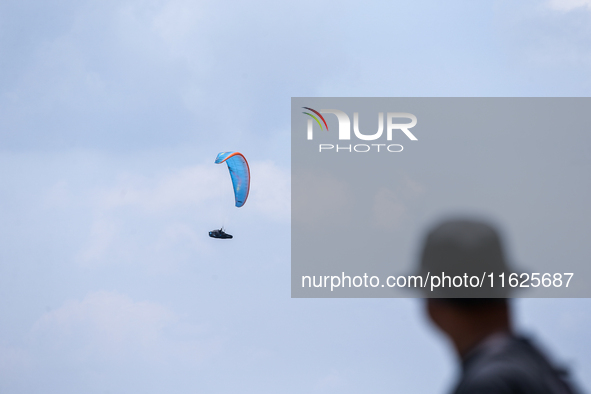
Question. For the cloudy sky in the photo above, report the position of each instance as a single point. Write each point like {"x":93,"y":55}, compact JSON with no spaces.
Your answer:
{"x":111,"y":115}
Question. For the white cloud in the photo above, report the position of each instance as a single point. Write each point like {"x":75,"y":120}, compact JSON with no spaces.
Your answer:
{"x":390,"y":206}
{"x":331,"y":383}
{"x":102,"y":234}
{"x":568,"y":5}
{"x":330,"y":197}
{"x":111,"y":327}
{"x":177,"y":20}
{"x":108,"y":317}
{"x":186,"y":187}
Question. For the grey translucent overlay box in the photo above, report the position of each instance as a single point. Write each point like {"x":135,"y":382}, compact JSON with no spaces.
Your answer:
{"x":372,"y":176}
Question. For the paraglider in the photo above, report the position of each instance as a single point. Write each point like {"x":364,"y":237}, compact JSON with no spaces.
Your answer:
{"x":220,"y":234}
{"x":240,"y":174}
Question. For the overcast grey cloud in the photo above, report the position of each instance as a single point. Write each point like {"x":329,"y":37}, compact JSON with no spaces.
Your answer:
{"x":111,"y":115}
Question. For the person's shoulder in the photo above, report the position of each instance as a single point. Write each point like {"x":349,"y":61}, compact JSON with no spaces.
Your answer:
{"x":512,"y":365}
{"x":490,"y":380}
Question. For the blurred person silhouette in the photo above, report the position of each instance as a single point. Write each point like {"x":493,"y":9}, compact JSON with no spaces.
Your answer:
{"x":477,"y":320}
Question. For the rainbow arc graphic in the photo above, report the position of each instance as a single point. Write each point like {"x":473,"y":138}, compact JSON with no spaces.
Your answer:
{"x":315,"y":118}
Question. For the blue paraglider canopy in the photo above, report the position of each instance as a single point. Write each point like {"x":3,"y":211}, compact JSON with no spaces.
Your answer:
{"x":239,"y":172}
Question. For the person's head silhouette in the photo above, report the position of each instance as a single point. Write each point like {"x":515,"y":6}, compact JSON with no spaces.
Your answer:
{"x":473,"y":311}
